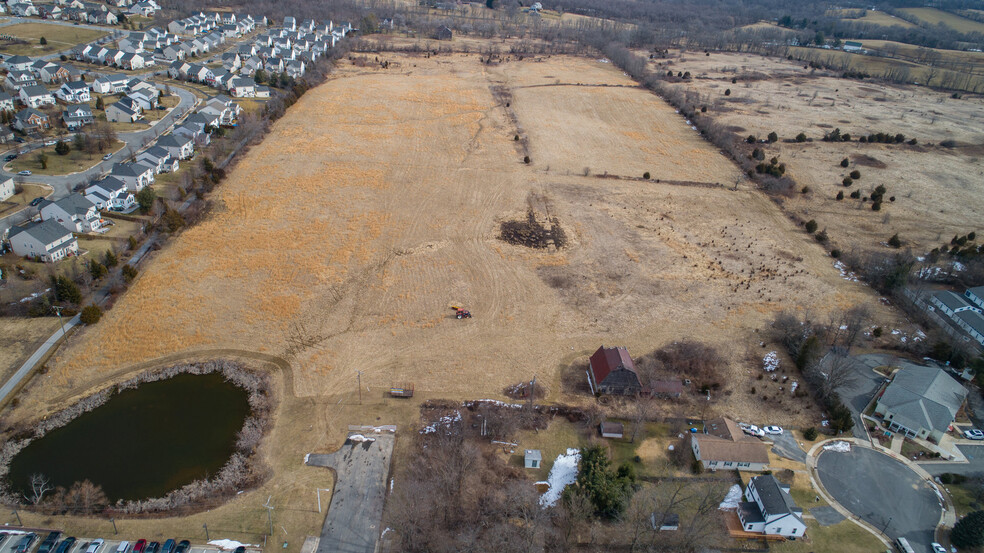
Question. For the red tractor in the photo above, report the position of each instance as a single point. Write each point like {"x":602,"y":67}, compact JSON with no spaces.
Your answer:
{"x":463,"y":314}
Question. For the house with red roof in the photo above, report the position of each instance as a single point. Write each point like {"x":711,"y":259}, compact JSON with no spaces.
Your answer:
{"x":611,"y":371}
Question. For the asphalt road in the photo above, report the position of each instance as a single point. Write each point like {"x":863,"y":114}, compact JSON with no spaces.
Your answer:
{"x":352,"y":524}
{"x":63,"y":184}
{"x":884,"y":492}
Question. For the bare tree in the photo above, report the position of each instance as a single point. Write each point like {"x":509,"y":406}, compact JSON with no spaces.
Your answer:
{"x":40,"y":485}
{"x":831,"y":373}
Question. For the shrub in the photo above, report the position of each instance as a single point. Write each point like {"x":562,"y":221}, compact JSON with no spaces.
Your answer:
{"x":110,"y":259}
{"x":66,"y":290}
{"x":891,"y":199}
{"x":703,"y":109}
{"x":805,"y":190}
{"x":801,"y":137}
{"x":810,"y":433}
{"x":646,"y":175}
{"x":90,"y":314}
{"x":856,"y":194}
{"x":62,"y":148}
{"x":516,"y":138}
{"x":758,"y":154}
{"x":526,"y":160}
{"x":855,"y":174}
{"x":835,"y":253}
{"x":845,"y":162}
{"x":969,"y":531}
{"x":848,"y":181}
{"x":96,"y":269}
{"x":734,"y":80}
{"x":132,"y":242}
{"x":146,"y":198}
{"x":894,"y":241}
{"x":948,"y":143}
{"x":877,"y":332}
{"x":750,"y":139}
{"x":840,"y":195}
{"x":811,"y":226}
{"x":727,"y":92}
{"x":822,"y":236}
{"x":913,"y":142}
{"x":876,"y":206}
{"x":44,"y":41}
{"x":773,"y":137}
{"x":129,"y":272}
{"x":971,"y":236}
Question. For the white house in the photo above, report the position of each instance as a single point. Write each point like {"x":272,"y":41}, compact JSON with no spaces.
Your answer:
{"x":17,"y":63}
{"x":242,"y":87}
{"x":73,"y":212}
{"x":35,"y":96}
{"x":144,"y":98}
{"x":77,"y":116}
{"x":110,"y":193}
{"x":158,"y":158}
{"x":723,"y":446}
{"x":46,"y":241}
{"x":135,"y":175}
{"x":110,"y":84}
{"x":180,"y":147}
{"x":769,"y":509}
{"x":6,"y":102}
{"x":6,"y":189}
{"x":74,"y":92}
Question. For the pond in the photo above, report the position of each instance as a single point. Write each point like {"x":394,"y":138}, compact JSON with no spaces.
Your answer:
{"x":143,"y":442}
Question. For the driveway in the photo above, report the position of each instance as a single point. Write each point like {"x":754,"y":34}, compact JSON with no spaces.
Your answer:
{"x":361,"y":469}
{"x":884,"y":492}
{"x":973,"y":466}
{"x":785,"y":445}
{"x":858,"y":393}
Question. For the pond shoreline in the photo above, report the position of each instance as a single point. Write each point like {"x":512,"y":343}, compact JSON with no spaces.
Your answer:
{"x":241,"y":471}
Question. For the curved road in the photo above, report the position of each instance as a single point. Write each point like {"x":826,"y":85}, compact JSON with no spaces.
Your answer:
{"x":135,"y":141}
{"x":884,"y":492}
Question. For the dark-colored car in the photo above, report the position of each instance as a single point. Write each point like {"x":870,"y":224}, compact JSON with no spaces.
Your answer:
{"x":3,"y":537}
{"x":25,"y":543}
{"x":140,"y":546}
{"x":153,"y":547}
{"x":168,"y":546}
{"x":49,"y":542}
{"x":65,"y":546}
{"x":240,"y":549}
{"x":182,"y":547}
{"x":35,"y":202}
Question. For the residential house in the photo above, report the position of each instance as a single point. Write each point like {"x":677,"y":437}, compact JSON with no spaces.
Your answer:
{"x":723,"y":445}
{"x":158,"y":158}
{"x":132,"y":61}
{"x":19,"y":79}
{"x":145,"y":9}
{"x":35,"y":96}
{"x":180,"y":147}
{"x":231,"y":61}
{"x":290,"y":23}
{"x":77,"y":116}
{"x":73,"y":212}
{"x":136,"y":175}
{"x":922,"y":401}
{"x":242,"y":87}
{"x":144,"y":98}
{"x":611,"y":429}
{"x":533,"y":459}
{"x":295,"y":68}
{"x":99,"y":17}
{"x":223,"y":108}
{"x":262,"y":91}
{"x":73,"y":92}
{"x":611,"y":371}
{"x":6,"y":135}
{"x":852,"y":46}
{"x":951,"y":304}
{"x":52,"y":72}
{"x":22,"y":9}
{"x":31,"y":120}
{"x":113,"y":83}
{"x":196,"y":131}
{"x":976,"y":296}
{"x":123,"y":111}
{"x":46,"y":241}
{"x":6,"y":189}
{"x":973,"y":323}
{"x":6,"y":102}
{"x":110,"y":193}
{"x":769,"y":509}
{"x":17,"y":63}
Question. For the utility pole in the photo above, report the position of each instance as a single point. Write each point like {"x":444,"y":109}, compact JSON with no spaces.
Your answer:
{"x":16,"y":514}
{"x":269,"y":509}
{"x":58,"y":311}
{"x":205,"y":526}
{"x":359,"y":376}
{"x":113,"y":520}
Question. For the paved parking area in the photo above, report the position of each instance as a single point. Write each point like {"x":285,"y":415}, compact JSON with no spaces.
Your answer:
{"x":352,"y":524}
{"x":882,"y":491}
{"x":826,"y":516}
{"x":110,"y":546}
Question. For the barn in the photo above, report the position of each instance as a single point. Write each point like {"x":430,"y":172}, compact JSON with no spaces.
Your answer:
{"x":611,"y":371}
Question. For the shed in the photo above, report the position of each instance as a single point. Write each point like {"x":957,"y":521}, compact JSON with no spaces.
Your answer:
{"x":611,"y":429}
{"x":444,"y":33}
{"x":667,"y":388}
{"x":665,"y":521}
{"x":533,"y":459}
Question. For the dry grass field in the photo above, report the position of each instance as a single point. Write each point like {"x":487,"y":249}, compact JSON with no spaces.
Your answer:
{"x":933,"y":16}
{"x":881,"y":18}
{"x":19,"y":337}
{"x":341,"y":241}
{"x":936,"y":188}
{"x":59,"y":37}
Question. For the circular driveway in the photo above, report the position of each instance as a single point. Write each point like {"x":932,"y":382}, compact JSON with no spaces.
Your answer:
{"x":884,"y":492}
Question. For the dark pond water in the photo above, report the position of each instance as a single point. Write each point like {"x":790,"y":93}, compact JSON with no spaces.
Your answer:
{"x":143,"y":442}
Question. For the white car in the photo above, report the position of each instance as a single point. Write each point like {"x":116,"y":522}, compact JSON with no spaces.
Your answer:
{"x":751,"y":429}
{"x":50,"y":142}
{"x":973,"y":434}
{"x":95,"y":546}
{"x":774,"y":430}
{"x":937,"y":548}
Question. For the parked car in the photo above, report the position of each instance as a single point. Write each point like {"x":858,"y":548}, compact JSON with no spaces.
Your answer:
{"x":10,"y":157}
{"x":774,"y":430}
{"x":50,"y":142}
{"x":123,"y":547}
{"x":49,"y":542}
{"x":3,"y":537}
{"x":25,"y":543}
{"x":65,"y":546}
{"x":182,"y":547}
{"x":36,"y":201}
{"x":153,"y":547}
{"x":95,"y":546}
{"x":140,"y":546}
{"x":937,"y":548}
{"x":107,"y":156}
{"x":24,"y":173}
{"x":973,"y":434}
{"x":168,"y":546}
{"x":240,"y":549}
{"x":751,"y":429}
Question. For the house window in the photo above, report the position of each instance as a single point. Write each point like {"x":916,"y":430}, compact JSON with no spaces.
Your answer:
{"x":778,"y":530}
{"x":533,"y":463}
{"x":749,"y":527}
{"x":793,"y":533}
{"x":728,"y":463}
{"x":744,"y":464}
{"x":712,"y":463}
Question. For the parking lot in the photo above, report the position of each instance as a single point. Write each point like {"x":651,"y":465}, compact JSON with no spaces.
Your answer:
{"x":80,"y":545}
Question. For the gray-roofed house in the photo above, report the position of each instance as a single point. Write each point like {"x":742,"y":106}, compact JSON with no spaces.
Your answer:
{"x":951,"y":304}
{"x":921,"y":401}
{"x":976,"y":296}
{"x":180,"y":147}
{"x":723,"y":445}
{"x":46,"y":241}
{"x":73,"y":212}
{"x":77,"y":116}
{"x":158,"y":158}
{"x":35,"y":96}
{"x":769,"y":509}
{"x":30,"y":119}
{"x":136,"y":175}
{"x":74,"y":92}
{"x":123,"y":111}
{"x":6,"y":102}
{"x":973,"y":323}
{"x":110,"y":193}
{"x":611,"y":429}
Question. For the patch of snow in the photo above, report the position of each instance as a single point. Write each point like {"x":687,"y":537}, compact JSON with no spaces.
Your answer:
{"x":35,"y":295}
{"x":360,"y":438}
{"x":387,"y":529}
{"x":671,"y":447}
{"x":229,"y":545}
{"x":732,"y":499}
{"x":603,"y":60}
{"x":770,"y":362}
{"x":845,"y":274}
{"x":958,"y":266}
{"x":306,"y":457}
{"x":562,"y":473}
{"x":838,"y":446}
{"x":921,"y":258}
{"x":445,"y":421}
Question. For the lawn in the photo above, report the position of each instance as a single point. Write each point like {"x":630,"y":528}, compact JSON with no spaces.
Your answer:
{"x":843,"y":537}
{"x":553,"y":441}
{"x":73,"y":162}
{"x":17,"y":202}
{"x":882,"y":18}
{"x":59,"y":37}
{"x":933,"y":16}
{"x":963,"y":498}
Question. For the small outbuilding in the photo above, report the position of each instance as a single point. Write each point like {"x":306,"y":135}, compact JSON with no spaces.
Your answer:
{"x":663,"y":522}
{"x":444,"y":33}
{"x":611,"y":429}
{"x":533,"y":458}
{"x":667,"y":388}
